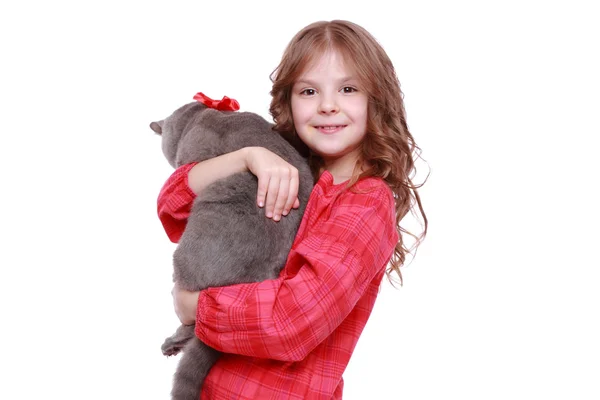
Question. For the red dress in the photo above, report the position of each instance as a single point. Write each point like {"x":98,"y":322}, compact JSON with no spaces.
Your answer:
{"x":292,"y":337}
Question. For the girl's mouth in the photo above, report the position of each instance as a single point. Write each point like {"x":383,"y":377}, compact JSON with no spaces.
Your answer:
{"x":329,"y":128}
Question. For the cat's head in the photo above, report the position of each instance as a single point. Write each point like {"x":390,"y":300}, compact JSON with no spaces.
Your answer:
{"x":174,"y":129}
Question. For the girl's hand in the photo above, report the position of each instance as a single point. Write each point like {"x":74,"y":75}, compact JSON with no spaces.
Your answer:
{"x":277,"y":182}
{"x":186,"y":305}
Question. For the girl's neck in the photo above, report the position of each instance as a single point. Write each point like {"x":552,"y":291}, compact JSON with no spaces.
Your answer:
{"x":340,"y":173}
{"x":337,"y":179}
{"x":341,"y":168}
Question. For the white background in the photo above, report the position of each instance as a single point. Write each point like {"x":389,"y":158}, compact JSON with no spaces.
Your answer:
{"x":502,"y":300}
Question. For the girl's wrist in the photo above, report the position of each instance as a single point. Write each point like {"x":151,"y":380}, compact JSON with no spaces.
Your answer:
{"x":247,"y":153}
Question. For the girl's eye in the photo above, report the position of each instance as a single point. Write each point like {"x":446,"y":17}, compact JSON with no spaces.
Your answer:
{"x":308,"y":92}
{"x":348,"y":89}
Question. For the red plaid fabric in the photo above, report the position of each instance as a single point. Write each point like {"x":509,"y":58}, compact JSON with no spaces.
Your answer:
{"x":175,"y":203}
{"x":292,"y":337}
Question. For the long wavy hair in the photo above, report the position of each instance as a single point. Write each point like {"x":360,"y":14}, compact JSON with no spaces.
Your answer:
{"x":388,"y":150}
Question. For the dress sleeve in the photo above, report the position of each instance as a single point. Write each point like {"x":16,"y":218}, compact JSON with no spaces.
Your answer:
{"x":326,"y":275}
{"x":175,"y":202}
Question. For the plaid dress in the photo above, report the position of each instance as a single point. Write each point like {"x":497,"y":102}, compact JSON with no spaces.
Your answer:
{"x":292,"y":337}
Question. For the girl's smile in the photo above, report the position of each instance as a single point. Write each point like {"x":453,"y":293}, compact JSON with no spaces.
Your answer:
{"x":329,"y":109}
{"x":330,"y":129}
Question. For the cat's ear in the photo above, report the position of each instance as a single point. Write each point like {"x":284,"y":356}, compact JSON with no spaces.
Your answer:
{"x":157,"y":127}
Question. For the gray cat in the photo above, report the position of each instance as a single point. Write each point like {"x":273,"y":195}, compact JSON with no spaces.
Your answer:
{"x":227,"y":239}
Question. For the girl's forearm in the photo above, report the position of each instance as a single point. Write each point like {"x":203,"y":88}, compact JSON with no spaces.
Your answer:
{"x":209,"y":171}
{"x":277,"y":179}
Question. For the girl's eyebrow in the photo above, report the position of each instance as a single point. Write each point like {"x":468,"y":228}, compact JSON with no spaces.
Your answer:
{"x":311,"y":82}
{"x":304,"y":81}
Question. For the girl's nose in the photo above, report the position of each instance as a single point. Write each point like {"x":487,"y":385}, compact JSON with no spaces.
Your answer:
{"x":328,"y":106}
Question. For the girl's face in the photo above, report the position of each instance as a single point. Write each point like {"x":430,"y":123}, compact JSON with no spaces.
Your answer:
{"x":329,"y":109}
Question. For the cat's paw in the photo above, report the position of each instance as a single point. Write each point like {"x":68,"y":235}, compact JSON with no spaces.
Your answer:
{"x":171,"y":347}
{"x":175,"y":343}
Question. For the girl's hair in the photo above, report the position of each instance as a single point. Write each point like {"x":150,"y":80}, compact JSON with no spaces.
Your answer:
{"x":388,"y":147}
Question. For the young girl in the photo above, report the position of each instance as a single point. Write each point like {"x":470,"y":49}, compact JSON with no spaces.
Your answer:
{"x":292,"y":337}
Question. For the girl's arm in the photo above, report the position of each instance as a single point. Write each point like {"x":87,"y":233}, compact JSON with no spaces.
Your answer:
{"x":277,"y":179}
{"x":326,"y":275}
{"x":209,"y":171}
{"x":174,"y":203}
{"x":277,"y":185}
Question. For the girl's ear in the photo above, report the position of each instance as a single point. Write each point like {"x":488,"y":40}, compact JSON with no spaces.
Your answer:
{"x":157,"y":127}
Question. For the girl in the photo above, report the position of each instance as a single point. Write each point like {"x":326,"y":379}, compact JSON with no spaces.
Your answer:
{"x":292,"y":337}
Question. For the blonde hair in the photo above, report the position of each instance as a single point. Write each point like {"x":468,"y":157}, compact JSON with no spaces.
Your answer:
{"x":388,"y":149}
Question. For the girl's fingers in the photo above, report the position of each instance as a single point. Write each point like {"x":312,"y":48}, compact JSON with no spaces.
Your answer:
{"x":272,"y":193}
{"x":282,"y":196}
{"x":292,"y":196}
{"x":261,"y":194}
{"x":277,"y":186}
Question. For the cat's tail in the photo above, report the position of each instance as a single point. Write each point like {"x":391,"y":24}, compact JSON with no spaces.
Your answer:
{"x":196,"y":361}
